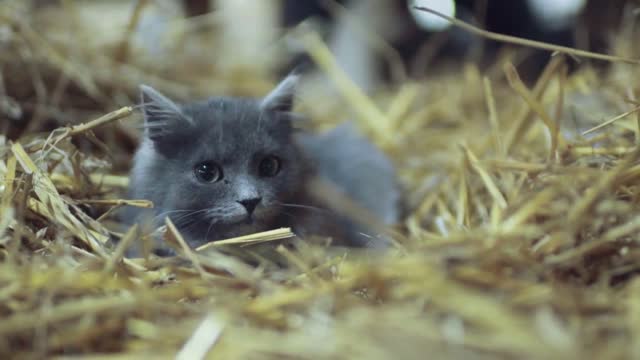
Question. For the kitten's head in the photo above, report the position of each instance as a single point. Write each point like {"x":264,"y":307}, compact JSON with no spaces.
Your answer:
{"x":222,"y":166}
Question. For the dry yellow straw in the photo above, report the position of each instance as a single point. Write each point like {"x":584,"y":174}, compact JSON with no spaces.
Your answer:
{"x":271,"y":235}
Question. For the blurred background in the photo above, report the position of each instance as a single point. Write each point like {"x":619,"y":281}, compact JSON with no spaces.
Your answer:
{"x":66,"y":61}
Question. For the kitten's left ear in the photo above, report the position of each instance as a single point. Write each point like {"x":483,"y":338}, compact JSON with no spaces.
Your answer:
{"x":281,"y":98}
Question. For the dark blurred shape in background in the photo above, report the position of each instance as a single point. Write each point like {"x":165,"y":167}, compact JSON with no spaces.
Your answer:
{"x":584,"y":24}
{"x":196,"y":7}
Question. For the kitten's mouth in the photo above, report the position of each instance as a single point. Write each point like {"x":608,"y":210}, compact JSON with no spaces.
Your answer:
{"x":245,"y":219}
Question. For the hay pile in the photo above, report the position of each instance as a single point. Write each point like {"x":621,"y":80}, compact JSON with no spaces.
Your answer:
{"x":520,"y":239}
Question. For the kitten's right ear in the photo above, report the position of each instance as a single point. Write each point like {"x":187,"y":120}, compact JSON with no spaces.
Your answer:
{"x":161,"y":114}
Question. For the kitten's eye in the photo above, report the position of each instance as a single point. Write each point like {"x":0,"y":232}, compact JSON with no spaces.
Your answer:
{"x":208,"y":172}
{"x":269,"y":166}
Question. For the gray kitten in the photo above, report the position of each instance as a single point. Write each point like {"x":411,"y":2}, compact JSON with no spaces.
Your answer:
{"x":226,"y":167}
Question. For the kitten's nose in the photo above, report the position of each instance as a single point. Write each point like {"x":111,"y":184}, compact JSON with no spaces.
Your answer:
{"x":250,"y":204}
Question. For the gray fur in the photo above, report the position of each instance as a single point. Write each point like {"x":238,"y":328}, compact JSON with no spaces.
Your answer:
{"x":237,"y":133}
{"x":356,"y":167}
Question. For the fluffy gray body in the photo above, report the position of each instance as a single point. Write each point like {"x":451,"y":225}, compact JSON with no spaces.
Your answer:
{"x":227,"y":167}
{"x":356,"y":167}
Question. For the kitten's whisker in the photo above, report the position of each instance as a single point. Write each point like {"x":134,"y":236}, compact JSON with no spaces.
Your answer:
{"x":206,"y":236}
{"x":182,"y":221}
{"x":165,"y":213}
{"x":218,"y":211}
{"x":190,"y":223}
{"x":179,"y":221}
{"x":306,"y":207}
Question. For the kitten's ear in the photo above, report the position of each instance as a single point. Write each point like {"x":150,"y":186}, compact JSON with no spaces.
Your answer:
{"x":161,"y":114}
{"x":281,"y":98}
